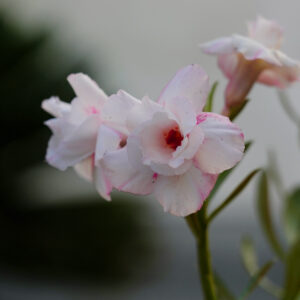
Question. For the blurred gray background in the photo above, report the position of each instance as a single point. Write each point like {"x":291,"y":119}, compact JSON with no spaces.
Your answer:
{"x":138,"y":45}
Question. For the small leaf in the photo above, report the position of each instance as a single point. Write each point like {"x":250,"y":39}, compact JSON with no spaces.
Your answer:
{"x":223,"y":293}
{"x":255,"y":280}
{"x":223,"y":176}
{"x":274,"y":175}
{"x":233,"y":195}
{"x":292,"y":276}
{"x":263,"y":207}
{"x":250,"y":261}
{"x":210,"y":99}
{"x":292,"y":216}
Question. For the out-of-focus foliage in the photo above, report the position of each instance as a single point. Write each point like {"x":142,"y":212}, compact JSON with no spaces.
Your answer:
{"x":292,"y":216}
{"x":250,"y":261}
{"x":292,"y":278}
{"x":264,"y":213}
{"x":90,"y":239}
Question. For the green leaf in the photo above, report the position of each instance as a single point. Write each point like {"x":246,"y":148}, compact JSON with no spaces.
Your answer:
{"x":223,"y":293}
{"x":250,"y":261}
{"x":209,"y":102}
{"x":223,"y":176}
{"x":233,"y":195}
{"x":255,"y":280}
{"x":264,"y":213}
{"x":292,"y":276}
{"x":292,"y":216}
{"x":236,"y":110}
{"x":274,"y":175}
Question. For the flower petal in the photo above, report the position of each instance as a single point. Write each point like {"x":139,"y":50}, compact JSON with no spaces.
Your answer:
{"x":195,"y":139}
{"x":189,"y":83}
{"x":102,"y":182}
{"x":223,"y":145}
{"x":115,"y":111}
{"x":183,"y":195}
{"x":183,"y":111}
{"x":142,"y":112}
{"x":280,"y":77}
{"x":217,"y":46}
{"x":85,"y":168}
{"x":107,"y":140}
{"x":152,"y":139}
{"x":167,"y":170}
{"x":55,"y":107}
{"x":87,"y":89}
{"x":124,"y":176}
{"x":267,"y":32}
{"x":228,"y":63}
{"x":249,"y":48}
{"x":68,"y":147}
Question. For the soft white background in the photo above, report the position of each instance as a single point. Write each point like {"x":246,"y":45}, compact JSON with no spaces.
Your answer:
{"x":138,"y":45}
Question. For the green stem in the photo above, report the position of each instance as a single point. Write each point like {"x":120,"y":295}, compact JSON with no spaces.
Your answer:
{"x":199,"y":227}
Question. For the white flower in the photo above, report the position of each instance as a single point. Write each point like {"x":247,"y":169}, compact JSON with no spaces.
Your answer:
{"x":256,"y":57}
{"x":81,"y":136}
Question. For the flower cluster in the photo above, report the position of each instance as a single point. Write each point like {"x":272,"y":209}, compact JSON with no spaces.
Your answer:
{"x":169,"y":148}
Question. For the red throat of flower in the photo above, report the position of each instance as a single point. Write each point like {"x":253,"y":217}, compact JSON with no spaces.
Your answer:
{"x":173,"y":138}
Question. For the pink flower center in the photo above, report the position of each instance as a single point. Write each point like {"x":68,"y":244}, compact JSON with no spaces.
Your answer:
{"x":173,"y":138}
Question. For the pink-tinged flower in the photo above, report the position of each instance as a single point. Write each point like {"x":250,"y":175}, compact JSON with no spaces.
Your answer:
{"x":81,"y":136}
{"x":256,"y":57}
{"x":174,"y":150}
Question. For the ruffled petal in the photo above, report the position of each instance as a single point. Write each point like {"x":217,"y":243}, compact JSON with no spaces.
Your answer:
{"x":102,"y":182}
{"x":188,"y":151}
{"x":253,"y":50}
{"x":142,"y":113}
{"x":267,"y":32}
{"x":87,"y":89}
{"x":107,"y":140}
{"x":124,"y":176}
{"x":183,"y":195}
{"x":115,"y":111}
{"x":223,"y":144}
{"x":56,"y":107}
{"x":189,"y":83}
{"x":67,"y":147}
{"x":183,"y":111}
{"x":249,"y":48}
{"x":218,"y":46}
{"x":85,"y":168}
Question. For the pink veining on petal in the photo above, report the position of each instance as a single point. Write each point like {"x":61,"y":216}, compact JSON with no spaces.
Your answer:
{"x":201,"y":118}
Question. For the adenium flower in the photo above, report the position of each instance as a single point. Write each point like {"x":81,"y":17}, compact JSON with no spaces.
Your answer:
{"x":174,"y":150}
{"x":256,"y":57}
{"x":80,"y":135}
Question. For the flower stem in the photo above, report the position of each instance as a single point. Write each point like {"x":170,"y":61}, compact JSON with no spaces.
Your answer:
{"x":199,"y":227}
